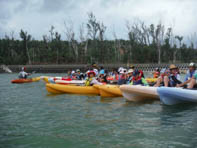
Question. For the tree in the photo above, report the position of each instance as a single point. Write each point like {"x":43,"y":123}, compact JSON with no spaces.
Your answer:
{"x":26,"y":38}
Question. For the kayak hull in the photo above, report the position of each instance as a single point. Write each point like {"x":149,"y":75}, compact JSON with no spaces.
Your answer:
{"x":171,"y":96}
{"x":72,"y":89}
{"x":112,"y":90}
{"x":103,"y":93}
{"x":26,"y":80}
{"x":53,"y":91}
{"x":137,"y":93}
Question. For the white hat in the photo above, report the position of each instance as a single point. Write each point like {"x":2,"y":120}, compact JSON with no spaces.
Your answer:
{"x":73,"y":72}
{"x":192,"y":64}
{"x":130,"y":71}
{"x":120,"y":69}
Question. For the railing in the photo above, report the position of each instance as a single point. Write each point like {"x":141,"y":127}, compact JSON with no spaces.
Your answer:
{"x":84,"y":67}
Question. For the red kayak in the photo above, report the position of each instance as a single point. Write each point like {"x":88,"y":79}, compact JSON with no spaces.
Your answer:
{"x":26,"y":80}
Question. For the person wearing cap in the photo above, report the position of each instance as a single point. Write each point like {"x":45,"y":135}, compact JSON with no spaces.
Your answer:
{"x":122,"y":77}
{"x":129,"y":75}
{"x":23,"y":74}
{"x":138,"y":79}
{"x":79,"y":75}
{"x":190,"y":73}
{"x":102,"y":76}
{"x":91,"y":80}
{"x":73,"y":75}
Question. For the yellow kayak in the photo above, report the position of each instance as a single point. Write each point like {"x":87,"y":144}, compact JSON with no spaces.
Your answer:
{"x":46,"y":79}
{"x":36,"y":79}
{"x":58,"y":88}
{"x":151,"y":80}
{"x":109,"y":90}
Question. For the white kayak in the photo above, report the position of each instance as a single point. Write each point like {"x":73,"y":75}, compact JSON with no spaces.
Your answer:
{"x":70,"y":82}
{"x":138,"y":92}
{"x":171,"y":96}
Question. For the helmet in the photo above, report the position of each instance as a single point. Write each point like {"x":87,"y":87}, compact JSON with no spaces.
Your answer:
{"x":78,"y":70}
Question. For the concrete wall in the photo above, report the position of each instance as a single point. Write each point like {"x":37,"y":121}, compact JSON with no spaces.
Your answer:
{"x":84,"y":67}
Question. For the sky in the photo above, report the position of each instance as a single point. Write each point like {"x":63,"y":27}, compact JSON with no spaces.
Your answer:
{"x":37,"y":16}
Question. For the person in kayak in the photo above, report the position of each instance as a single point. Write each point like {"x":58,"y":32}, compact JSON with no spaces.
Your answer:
{"x":156,"y":73}
{"x":189,"y":75}
{"x":170,"y":78}
{"x":137,"y":79}
{"x":193,"y":82}
{"x":95,"y":68}
{"x":79,"y":75}
{"x":102,"y":77}
{"x":23,"y":74}
{"x":122,"y":77}
{"x":91,"y":79}
{"x":174,"y":78}
{"x":164,"y":73}
{"x":129,"y":75}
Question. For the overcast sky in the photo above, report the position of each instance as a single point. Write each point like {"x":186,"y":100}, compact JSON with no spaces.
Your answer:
{"x":36,"y":16}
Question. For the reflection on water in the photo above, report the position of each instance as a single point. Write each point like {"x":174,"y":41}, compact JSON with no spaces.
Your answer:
{"x":29,"y":117}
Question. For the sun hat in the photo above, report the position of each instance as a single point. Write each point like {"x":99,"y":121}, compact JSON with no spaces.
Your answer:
{"x":120,"y":69}
{"x":91,"y":72}
{"x":132,"y":66}
{"x":73,"y":72}
{"x":130,"y":71}
{"x":172,"y":66}
{"x":123,"y":71}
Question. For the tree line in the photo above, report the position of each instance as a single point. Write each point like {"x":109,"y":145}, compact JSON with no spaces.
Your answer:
{"x":145,"y":44}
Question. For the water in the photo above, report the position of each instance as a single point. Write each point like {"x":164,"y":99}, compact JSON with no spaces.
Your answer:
{"x":31,"y":118}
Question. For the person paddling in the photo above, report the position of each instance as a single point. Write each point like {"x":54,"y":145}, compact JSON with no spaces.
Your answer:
{"x":23,"y":74}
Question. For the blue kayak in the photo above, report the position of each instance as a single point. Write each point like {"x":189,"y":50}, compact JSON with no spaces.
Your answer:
{"x":170,"y":96}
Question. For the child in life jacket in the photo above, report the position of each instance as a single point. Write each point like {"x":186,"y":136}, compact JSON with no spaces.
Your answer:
{"x":91,"y":79}
{"x":138,"y":79}
{"x":156,"y":73}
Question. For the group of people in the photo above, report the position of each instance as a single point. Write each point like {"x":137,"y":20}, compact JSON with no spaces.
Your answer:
{"x":165,"y":77}
{"x":121,"y":76}
{"x":171,"y":77}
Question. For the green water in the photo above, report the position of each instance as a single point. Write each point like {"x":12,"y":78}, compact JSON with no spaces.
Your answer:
{"x":30,"y":118}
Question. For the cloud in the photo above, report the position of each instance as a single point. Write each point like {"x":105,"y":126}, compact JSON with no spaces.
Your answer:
{"x":36,"y":16}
